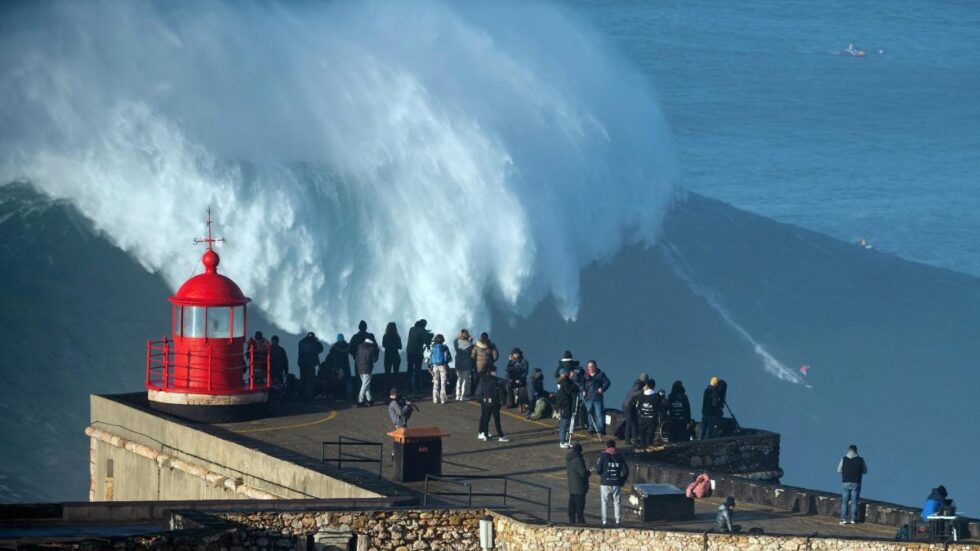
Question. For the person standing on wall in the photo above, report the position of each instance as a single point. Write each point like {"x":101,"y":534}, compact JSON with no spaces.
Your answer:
{"x":851,"y":468}
{"x":565,"y":404}
{"x":339,"y":359}
{"x":364,"y":360}
{"x":629,"y":408}
{"x":517,"y":371}
{"x":464,"y":366}
{"x":279,"y":361}
{"x":440,"y":359}
{"x":490,"y":391}
{"x":392,"y":343}
{"x":612,"y":471}
{"x":578,"y":484}
{"x":310,"y":348}
{"x":678,"y":413}
{"x":595,"y":384}
{"x":418,"y":339}
{"x":711,"y":409}
{"x":647,"y":407}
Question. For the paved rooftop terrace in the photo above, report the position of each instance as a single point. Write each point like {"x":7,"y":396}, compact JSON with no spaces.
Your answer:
{"x":532,"y":455}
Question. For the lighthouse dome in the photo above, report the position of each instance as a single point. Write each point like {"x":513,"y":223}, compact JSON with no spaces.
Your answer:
{"x":210,"y":288}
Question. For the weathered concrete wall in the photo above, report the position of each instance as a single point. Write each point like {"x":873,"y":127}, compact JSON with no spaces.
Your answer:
{"x":199,"y":462}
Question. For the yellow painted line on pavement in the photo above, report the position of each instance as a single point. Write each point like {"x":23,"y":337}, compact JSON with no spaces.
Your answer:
{"x":331,"y":415}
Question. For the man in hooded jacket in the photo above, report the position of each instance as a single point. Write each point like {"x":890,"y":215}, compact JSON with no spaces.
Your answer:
{"x":595,"y":385}
{"x":613,"y":472}
{"x":578,"y":484}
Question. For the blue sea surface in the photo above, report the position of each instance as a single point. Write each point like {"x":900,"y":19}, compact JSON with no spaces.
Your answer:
{"x":766,"y":117}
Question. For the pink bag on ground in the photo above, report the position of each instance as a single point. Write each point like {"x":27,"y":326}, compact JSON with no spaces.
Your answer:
{"x":701,"y":487}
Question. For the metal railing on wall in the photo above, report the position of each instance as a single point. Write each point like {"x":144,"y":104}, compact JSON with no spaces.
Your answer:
{"x":349,"y":457}
{"x":506,"y":485}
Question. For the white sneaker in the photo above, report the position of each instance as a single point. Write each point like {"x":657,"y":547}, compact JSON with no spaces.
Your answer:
{"x":482,"y":436}
{"x":842,"y":522}
{"x":850,"y":521}
{"x":504,"y":439}
{"x":564,"y":445}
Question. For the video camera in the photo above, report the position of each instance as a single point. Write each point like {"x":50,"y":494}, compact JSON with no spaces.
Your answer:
{"x":402,"y":400}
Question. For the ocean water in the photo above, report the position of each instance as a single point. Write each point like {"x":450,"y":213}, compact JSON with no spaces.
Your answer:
{"x":764,"y":116}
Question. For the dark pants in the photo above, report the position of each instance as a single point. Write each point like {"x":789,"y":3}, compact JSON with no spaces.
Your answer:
{"x":676,"y":430}
{"x":708,"y":425}
{"x":632,"y":431}
{"x":393,"y":360}
{"x":307,"y":383}
{"x":648,"y":431}
{"x":414,"y":368}
{"x":576,"y":508}
{"x":516,"y":394}
{"x":487,"y":411}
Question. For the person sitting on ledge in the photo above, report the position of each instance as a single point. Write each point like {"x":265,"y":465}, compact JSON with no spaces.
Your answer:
{"x":726,"y":512}
{"x":935,"y":501}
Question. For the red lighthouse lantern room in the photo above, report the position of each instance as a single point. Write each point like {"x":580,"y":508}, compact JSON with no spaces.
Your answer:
{"x":203,"y":371}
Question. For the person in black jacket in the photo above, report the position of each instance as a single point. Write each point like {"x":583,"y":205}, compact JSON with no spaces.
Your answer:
{"x":632,"y":432}
{"x":565,"y":400}
{"x":678,"y":413}
{"x":364,"y":360}
{"x":613,"y":473}
{"x":392,"y":343}
{"x":649,"y":407}
{"x":359,"y":337}
{"x":418,"y":339}
{"x":517,"y":370}
{"x":711,"y":409}
{"x":310,"y":348}
{"x":852,"y":469}
{"x":338,"y":359}
{"x":578,"y":484}
{"x":536,"y":392}
{"x":490,"y":392}
{"x":279,"y":361}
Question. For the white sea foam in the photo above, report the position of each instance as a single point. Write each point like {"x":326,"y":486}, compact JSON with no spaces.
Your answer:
{"x":772,"y":365}
{"x":364,"y":160}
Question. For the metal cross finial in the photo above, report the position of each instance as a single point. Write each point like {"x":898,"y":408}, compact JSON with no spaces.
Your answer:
{"x":209,"y":240}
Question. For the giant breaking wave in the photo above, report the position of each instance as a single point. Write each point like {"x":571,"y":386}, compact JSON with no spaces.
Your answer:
{"x":376,"y":160}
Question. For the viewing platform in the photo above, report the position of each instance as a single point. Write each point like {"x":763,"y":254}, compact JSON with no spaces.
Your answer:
{"x":284,"y":457}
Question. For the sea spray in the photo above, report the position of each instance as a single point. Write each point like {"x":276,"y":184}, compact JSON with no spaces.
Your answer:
{"x":379,"y":160}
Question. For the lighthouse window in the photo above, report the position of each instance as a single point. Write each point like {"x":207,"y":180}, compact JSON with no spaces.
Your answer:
{"x":194,"y":321}
{"x":219,"y":323}
{"x":239,"y":320}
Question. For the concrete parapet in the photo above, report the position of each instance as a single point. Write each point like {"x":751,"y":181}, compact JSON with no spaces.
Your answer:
{"x":142,"y":454}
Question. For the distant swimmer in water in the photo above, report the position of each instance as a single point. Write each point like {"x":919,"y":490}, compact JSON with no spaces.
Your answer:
{"x":864,"y":243}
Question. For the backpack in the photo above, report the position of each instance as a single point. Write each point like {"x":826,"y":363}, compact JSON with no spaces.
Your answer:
{"x":700,"y":486}
{"x":438,"y":356}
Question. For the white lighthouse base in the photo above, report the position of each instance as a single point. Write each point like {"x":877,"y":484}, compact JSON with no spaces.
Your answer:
{"x":211,"y":408}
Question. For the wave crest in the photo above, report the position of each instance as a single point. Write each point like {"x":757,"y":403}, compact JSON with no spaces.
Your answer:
{"x":368,"y":160}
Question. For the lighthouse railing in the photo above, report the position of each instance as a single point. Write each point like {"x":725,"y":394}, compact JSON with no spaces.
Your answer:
{"x":203,"y":370}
